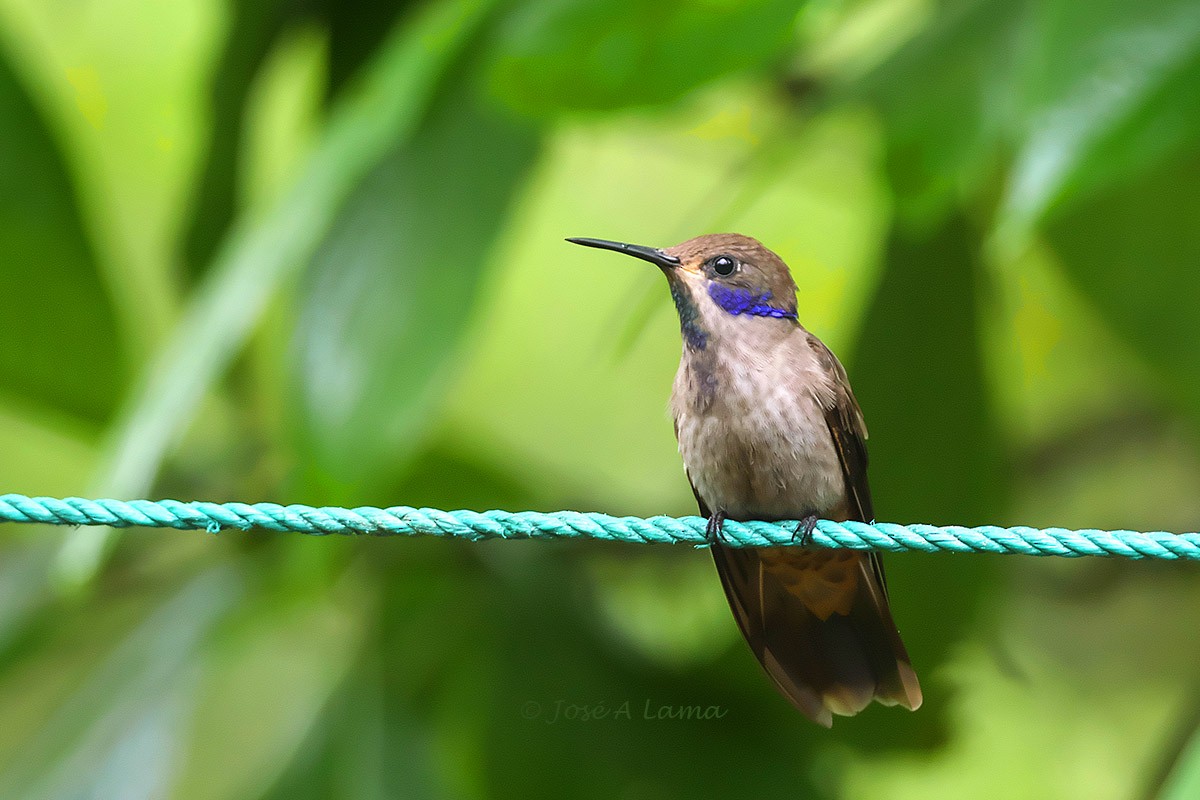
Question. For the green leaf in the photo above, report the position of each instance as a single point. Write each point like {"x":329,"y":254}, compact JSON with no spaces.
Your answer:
{"x":560,"y":55}
{"x":391,"y":290}
{"x":53,"y":298}
{"x":918,"y":374}
{"x":1094,"y":74}
{"x":357,"y":30}
{"x":1133,"y":250}
{"x":944,"y":99}
{"x":254,"y":28}
{"x":1077,"y":95}
{"x":260,"y":255}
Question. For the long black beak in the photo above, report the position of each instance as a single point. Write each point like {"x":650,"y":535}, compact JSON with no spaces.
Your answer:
{"x":651,"y":254}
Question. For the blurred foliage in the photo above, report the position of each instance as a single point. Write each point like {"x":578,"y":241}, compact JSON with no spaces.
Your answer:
{"x":310,"y":251}
{"x":52,"y":292}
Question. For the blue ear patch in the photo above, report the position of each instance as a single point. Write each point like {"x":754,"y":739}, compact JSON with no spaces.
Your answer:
{"x":738,"y":301}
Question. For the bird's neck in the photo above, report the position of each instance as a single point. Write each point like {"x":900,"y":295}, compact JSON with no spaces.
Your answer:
{"x":729,"y":314}
{"x":721,"y":348}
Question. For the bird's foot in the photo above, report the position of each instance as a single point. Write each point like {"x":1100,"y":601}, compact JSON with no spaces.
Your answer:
{"x":713,"y":532}
{"x":804,"y":531}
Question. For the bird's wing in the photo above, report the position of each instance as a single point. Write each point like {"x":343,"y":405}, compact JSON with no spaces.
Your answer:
{"x":846,"y":426}
{"x":848,"y":430}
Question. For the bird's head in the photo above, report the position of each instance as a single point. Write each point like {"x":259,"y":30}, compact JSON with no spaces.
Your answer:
{"x":716,"y":278}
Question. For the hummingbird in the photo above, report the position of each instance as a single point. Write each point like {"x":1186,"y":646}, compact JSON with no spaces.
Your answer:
{"x":769,"y":429}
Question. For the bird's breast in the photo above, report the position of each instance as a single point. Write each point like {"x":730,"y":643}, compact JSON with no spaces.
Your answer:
{"x":753,"y":435}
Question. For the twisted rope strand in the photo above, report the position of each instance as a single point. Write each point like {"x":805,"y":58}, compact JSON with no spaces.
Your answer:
{"x":473,"y":525}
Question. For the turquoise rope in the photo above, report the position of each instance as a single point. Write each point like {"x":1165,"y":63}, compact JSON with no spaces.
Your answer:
{"x":473,"y":525}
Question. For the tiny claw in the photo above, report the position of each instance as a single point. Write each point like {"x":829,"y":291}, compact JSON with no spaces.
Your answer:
{"x":804,"y":531}
{"x":713,"y":531}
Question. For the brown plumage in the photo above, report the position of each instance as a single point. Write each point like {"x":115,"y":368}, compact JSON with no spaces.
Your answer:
{"x":769,"y":429}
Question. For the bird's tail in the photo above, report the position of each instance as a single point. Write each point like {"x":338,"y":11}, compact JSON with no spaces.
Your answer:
{"x":819,"y":623}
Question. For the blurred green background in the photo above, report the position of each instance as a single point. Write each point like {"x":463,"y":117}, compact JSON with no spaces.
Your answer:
{"x":311,"y":251}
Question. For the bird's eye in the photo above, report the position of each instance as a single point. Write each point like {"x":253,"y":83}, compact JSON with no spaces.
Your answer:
{"x":723,"y":265}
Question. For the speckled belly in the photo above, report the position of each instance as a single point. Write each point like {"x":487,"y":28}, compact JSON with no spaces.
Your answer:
{"x":760,"y":452}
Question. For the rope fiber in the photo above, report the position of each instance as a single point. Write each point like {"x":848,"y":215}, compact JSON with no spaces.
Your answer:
{"x":473,"y":525}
